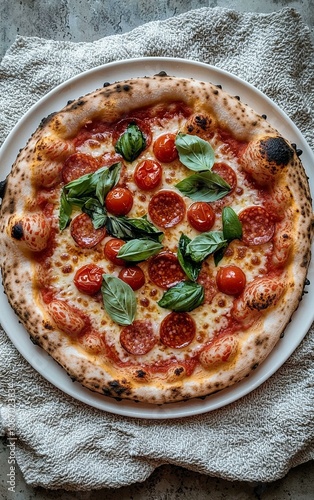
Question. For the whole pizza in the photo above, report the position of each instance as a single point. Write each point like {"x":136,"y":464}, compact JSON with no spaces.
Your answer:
{"x":155,"y":238}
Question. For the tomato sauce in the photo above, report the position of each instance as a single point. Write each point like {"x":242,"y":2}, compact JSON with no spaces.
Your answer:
{"x":237,"y":147}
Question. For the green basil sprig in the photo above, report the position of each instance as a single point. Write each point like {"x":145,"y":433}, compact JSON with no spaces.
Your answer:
{"x":96,"y":211}
{"x":183,"y":297}
{"x":205,"y":244}
{"x":94,"y":186}
{"x":232,"y":230}
{"x":138,"y":250}
{"x":65,"y":211}
{"x":131,"y":143}
{"x":213,"y":242}
{"x":204,"y":186}
{"x":195,"y":153}
{"x":119,"y":300}
{"x":189,"y":266}
{"x":128,"y":228}
{"x":232,"y":227}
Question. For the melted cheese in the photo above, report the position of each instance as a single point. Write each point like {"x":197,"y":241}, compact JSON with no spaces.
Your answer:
{"x":209,"y":318}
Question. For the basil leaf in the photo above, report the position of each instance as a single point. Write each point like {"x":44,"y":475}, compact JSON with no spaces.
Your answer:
{"x":78,"y":202}
{"x":231,"y":225}
{"x":194,"y":152}
{"x":96,"y":183}
{"x":96,"y":211}
{"x":183,"y":297}
{"x":84,"y":185}
{"x":65,"y":211}
{"x":205,"y":244}
{"x":131,"y":143}
{"x":218,"y":255}
{"x":128,"y":229}
{"x":204,"y":186}
{"x":144,"y":228}
{"x":94,"y":186}
{"x":191,"y":268}
{"x":232,"y":230}
{"x":107,"y":180}
{"x":119,"y":300}
{"x":138,"y":250}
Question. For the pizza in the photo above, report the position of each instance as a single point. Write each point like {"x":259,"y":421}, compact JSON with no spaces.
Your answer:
{"x":155,"y":238}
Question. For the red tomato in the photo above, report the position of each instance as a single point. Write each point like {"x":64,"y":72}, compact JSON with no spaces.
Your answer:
{"x":111,"y":251}
{"x":165,"y":149}
{"x":88,"y":279}
{"x":231,"y":280}
{"x":148,"y":174}
{"x":119,"y":201}
{"x":133,"y":276}
{"x":201,"y":216}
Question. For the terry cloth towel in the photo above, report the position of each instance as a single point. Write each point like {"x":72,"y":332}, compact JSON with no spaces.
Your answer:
{"x":62,"y":443}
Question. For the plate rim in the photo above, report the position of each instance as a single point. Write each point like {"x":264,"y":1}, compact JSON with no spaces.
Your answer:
{"x":195,"y":406}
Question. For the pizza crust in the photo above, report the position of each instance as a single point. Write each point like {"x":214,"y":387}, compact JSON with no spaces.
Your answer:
{"x":268,"y":158}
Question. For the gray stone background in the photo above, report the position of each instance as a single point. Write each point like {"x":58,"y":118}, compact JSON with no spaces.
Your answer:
{"x":88,"y":20}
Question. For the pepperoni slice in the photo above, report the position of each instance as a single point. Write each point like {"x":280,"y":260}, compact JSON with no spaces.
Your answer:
{"x":138,"y":338}
{"x":77,"y":165}
{"x":109,"y":159}
{"x":177,"y":330}
{"x":227,"y":173}
{"x":209,"y":284}
{"x":84,"y":233}
{"x":166,"y":209}
{"x":164,"y":270}
{"x":258,"y":226}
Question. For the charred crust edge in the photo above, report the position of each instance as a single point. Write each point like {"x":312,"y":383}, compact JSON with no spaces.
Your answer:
{"x":17,"y":231}
{"x":276,"y":150}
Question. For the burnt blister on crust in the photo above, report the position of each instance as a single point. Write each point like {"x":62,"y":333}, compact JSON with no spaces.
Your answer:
{"x":17,"y":231}
{"x":276,"y":150}
{"x":115,"y":388}
{"x":140,"y":374}
{"x":78,"y":103}
{"x":46,"y":120}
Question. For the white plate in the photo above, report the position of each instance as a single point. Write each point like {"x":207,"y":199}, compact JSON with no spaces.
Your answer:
{"x":81,"y":85}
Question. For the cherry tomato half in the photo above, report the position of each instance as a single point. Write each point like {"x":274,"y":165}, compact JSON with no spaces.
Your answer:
{"x":148,"y":174}
{"x":119,"y":201}
{"x":165,"y":149}
{"x":231,"y":280}
{"x":111,"y":251}
{"x":201,"y":216}
{"x":133,"y":276}
{"x":88,"y":279}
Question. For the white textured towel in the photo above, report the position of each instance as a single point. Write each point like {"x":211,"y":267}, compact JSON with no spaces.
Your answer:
{"x":62,"y":443}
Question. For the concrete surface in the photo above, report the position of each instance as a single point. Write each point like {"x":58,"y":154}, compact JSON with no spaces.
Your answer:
{"x":88,"y":20}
